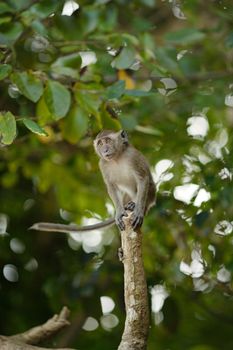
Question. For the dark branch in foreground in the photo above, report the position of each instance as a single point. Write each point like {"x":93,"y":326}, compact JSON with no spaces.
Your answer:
{"x":28,"y":339}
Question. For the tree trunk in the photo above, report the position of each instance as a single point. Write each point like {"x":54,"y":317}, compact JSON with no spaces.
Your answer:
{"x":135,"y":289}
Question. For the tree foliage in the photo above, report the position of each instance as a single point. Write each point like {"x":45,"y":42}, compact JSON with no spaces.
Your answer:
{"x":162,"y":70}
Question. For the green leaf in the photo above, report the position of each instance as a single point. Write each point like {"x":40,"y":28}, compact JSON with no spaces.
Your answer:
{"x":185,"y":36}
{"x":29,"y":85}
{"x":149,"y":3}
{"x":149,"y":130}
{"x":70,"y":72}
{"x":125,"y":58}
{"x":116,"y":90}
{"x":4,"y":8}
{"x":5,"y":19}
{"x":107,"y":120}
{"x":75,"y":124}
{"x":167,"y":60}
{"x":43,"y":9}
{"x":18,"y":4}
{"x":7,"y":128}
{"x":229,"y":40}
{"x":57,"y":98}
{"x":88,"y":101}
{"x":5,"y":70}
{"x":130,"y":39}
{"x":71,"y":61}
{"x":68,"y":65}
{"x":10,"y":32}
{"x":34,"y":127}
{"x":43,"y":114}
{"x":139,"y":93}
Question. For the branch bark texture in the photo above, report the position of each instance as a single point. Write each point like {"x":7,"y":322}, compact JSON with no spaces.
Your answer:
{"x":135,"y":289}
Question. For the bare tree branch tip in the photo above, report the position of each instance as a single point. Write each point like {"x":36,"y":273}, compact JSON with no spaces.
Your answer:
{"x":35,"y":335}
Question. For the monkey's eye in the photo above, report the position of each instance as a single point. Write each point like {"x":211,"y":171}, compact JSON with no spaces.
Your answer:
{"x":107,"y":140}
{"x":99,"y":143}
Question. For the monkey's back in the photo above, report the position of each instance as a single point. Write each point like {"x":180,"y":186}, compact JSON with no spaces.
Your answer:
{"x":142,"y":167}
{"x":130,"y":166}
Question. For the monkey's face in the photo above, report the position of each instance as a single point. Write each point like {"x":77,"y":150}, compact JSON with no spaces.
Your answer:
{"x":106,"y":148}
{"x":109,"y":144}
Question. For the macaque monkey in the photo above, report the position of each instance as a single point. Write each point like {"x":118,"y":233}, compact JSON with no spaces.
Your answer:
{"x":128,"y":180}
{"x":127,"y":176}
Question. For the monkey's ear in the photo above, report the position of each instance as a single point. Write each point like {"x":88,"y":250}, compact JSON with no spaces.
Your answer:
{"x":96,"y":147}
{"x":124,"y":134}
{"x":124,"y":137}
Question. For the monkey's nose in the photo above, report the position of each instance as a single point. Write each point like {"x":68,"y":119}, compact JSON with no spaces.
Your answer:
{"x":105,"y":150}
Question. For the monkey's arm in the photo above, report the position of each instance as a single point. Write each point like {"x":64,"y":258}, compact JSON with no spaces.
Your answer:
{"x":141,"y":198}
{"x":49,"y":226}
{"x":117,"y":201}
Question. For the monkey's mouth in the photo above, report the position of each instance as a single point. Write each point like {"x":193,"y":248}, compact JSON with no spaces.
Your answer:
{"x":109,"y":156}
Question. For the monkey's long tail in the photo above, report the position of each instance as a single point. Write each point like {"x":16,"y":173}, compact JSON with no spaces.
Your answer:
{"x":49,"y":226}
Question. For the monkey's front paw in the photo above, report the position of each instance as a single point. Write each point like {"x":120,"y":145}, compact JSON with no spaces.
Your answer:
{"x":119,"y":220}
{"x":130,"y":206}
{"x":137,"y":219}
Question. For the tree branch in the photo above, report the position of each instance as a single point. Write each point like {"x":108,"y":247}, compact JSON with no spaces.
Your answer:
{"x":24,"y":341}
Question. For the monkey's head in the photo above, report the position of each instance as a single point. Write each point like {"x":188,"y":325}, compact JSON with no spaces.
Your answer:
{"x":109,"y":144}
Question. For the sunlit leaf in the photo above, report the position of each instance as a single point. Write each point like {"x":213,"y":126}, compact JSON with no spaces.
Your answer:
{"x":42,"y":112}
{"x":57,"y":98}
{"x":7,"y":128}
{"x":29,"y":85}
{"x":125,"y":58}
{"x":34,"y":127}
{"x":3,"y":224}
{"x":5,"y":70}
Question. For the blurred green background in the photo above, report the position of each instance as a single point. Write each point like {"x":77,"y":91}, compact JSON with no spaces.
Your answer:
{"x":162,"y":70}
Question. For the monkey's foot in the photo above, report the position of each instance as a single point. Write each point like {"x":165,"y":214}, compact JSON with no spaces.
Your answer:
{"x":120,"y":254}
{"x":119,"y":219}
{"x":130,"y":206}
{"x":137,"y":219}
